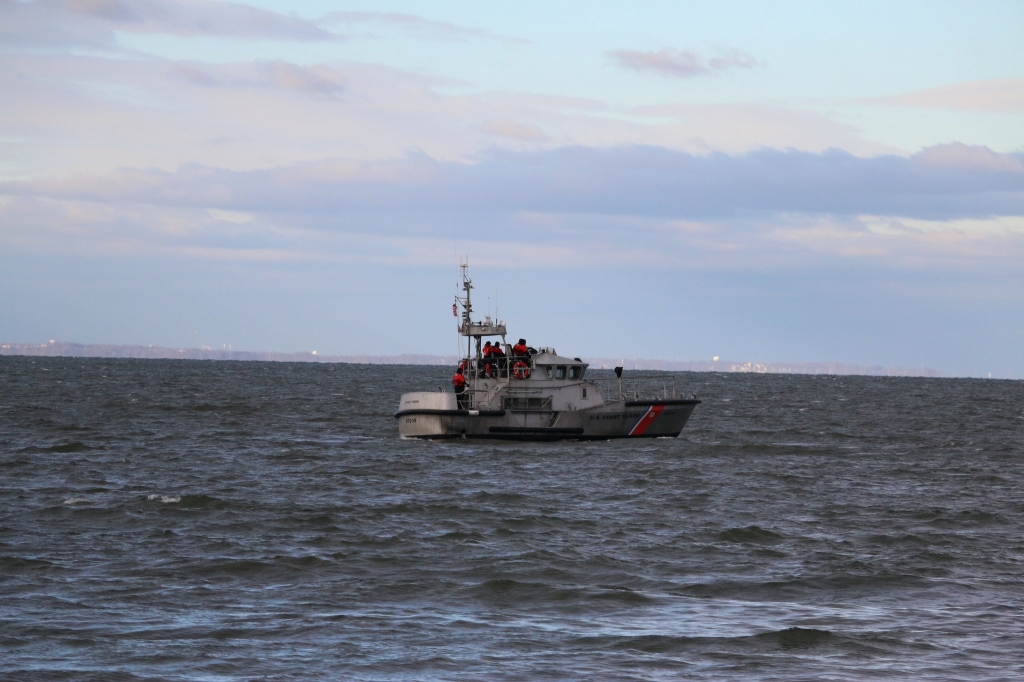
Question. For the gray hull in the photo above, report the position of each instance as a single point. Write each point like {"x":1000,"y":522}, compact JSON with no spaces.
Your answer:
{"x":622,"y":419}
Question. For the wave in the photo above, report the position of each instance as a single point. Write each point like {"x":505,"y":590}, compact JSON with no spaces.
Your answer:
{"x":772,"y":590}
{"x":544,"y":593}
{"x":797,"y":638}
{"x":201,"y":501}
{"x":788,"y":638}
{"x":750,"y":535}
{"x":275,"y":568}
{"x":73,"y":446}
{"x":15,"y":564}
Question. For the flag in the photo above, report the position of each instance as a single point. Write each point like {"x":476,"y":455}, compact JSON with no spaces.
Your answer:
{"x":455,"y":310}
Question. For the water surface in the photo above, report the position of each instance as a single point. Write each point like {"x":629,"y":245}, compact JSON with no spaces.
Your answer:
{"x":224,"y":520}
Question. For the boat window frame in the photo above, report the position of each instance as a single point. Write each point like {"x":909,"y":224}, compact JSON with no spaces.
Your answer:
{"x":561,"y":371}
{"x":575,"y":371}
{"x":549,"y":370}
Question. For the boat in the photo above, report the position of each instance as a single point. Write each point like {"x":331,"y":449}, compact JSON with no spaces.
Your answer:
{"x":538,"y":395}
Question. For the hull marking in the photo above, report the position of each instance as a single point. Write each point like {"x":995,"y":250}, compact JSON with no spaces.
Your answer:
{"x":646,"y":420}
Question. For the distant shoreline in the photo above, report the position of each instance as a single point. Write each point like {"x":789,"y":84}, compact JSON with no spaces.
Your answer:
{"x":86,"y":350}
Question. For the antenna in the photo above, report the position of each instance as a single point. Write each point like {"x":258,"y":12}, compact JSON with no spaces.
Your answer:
{"x":467,"y":306}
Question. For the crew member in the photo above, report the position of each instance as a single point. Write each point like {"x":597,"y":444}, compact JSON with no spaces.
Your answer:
{"x":521,"y":350}
{"x":499,"y":359}
{"x":459,"y":384}
{"x":487,"y":351}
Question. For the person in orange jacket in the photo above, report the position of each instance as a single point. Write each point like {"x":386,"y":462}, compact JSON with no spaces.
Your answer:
{"x":459,"y":384}
{"x":499,"y":358}
{"x":487,"y":352}
{"x":521,"y":349}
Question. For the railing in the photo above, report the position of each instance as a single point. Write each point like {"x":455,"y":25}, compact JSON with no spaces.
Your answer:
{"x":645,"y":387}
{"x":499,"y":367}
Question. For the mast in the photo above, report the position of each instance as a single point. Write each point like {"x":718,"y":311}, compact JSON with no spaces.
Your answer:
{"x":474,"y":330}
{"x":467,"y":306}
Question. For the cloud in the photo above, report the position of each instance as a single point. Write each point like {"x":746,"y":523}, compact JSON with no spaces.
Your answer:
{"x":968,"y":157}
{"x":1002,"y":96}
{"x":515,"y":131}
{"x":626,"y":181}
{"x":764,"y":210}
{"x":417,"y":26}
{"x":95,"y":23}
{"x":737,"y":128}
{"x":782,"y":242}
{"x":315,"y":80}
{"x":680,"y":63}
{"x":68,"y":113}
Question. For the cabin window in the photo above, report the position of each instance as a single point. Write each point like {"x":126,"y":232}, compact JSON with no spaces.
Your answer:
{"x":575,"y":372}
{"x":584,"y":392}
{"x":560,"y":372}
{"x":550,"y":371}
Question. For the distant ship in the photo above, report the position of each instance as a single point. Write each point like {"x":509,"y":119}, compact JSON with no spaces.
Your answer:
{"x":538,"y":395}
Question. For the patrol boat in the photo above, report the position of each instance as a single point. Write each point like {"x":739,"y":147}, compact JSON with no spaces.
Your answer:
{"x":540,"y":396}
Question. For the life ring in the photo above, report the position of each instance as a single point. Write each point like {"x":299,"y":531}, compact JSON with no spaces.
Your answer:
{"x":521,"y":370}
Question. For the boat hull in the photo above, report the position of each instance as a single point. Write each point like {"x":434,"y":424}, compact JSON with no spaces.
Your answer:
{"x":630,"y":419}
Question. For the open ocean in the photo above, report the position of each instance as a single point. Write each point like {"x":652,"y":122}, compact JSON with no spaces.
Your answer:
{"x":198,"y":520}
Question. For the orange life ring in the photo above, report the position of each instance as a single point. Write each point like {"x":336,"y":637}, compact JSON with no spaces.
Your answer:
{"x":521,"y":370}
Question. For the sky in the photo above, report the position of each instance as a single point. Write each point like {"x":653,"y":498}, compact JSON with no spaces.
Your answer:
{"x":783,"y":182}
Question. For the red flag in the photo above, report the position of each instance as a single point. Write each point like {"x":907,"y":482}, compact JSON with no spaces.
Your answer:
{"x":455,"y":310}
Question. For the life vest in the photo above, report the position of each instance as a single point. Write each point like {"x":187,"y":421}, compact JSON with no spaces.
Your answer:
{"x":521,"y":370}
{"x":519,"y":349}
{"x":458,"y":381}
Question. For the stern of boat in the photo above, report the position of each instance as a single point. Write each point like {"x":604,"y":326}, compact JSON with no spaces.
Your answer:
{"x":422,"y":414}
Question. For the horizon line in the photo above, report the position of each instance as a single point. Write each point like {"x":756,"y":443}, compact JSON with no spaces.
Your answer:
{"x":56,"y":348}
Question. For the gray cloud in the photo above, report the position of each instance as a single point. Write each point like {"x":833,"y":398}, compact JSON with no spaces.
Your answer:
{"x":680,"y":63}
{"x":963,"y":156}
{"x":635,"y":181}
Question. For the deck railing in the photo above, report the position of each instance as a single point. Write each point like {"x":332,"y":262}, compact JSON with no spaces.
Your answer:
{"x":644,"y":387}
{"x":520,"y":398}
{"x":477,"y":369}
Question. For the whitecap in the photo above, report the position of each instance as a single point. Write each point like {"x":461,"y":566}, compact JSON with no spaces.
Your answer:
{"x":166,"y":499}
{"x":76,"y":500}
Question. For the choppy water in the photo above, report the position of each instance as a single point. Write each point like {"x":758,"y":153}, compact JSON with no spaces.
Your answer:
{"x":216,"y":520}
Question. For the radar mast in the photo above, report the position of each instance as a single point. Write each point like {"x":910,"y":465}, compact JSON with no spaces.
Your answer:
{"x":468,"y":328}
